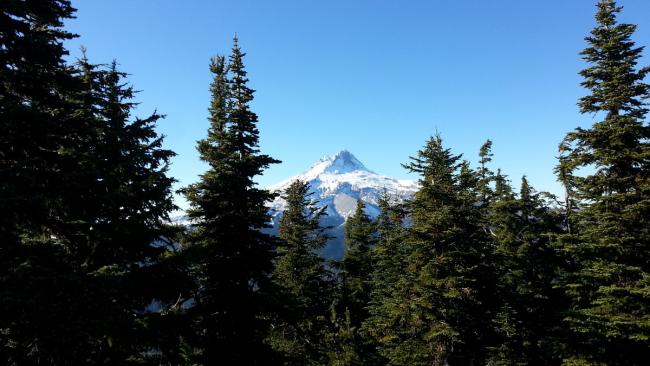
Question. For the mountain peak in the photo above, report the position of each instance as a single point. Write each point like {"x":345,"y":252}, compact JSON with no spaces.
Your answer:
{"x":341,"y":162}
{"x":337,"y":182}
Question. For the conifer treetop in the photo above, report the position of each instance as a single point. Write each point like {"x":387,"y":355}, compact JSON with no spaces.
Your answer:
{"x":612,"y":55}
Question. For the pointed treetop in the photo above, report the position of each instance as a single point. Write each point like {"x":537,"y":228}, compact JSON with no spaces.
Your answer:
{"x":236,"y":50}
{"x":435,"y":163}
{"x":607,"y":10}
{"x":485,"y":153}
{"x":615,"y":83}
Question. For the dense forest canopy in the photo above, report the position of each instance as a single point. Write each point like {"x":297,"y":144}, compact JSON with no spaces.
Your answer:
{"x":471,"y":270}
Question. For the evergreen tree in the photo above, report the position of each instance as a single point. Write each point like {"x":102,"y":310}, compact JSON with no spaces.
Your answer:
{"x":389,"y":263}
{"x":388,"y":254}
{"x":37,"y":282}
{"x":305,"y":285}
{"x":354,"y":347}
{"x":356,"y":266}
{"x":79,"y":222}
{"x":343,"y":340}
{"x":441,"y":318}
{"x":125,"y":225}
{"x":485,"y":176}
{"x":231,"y":256}
{"x":609,"y":243}
{"x":525,"y":264}
{"x":34,"y":114}
{"x":123,"y":194}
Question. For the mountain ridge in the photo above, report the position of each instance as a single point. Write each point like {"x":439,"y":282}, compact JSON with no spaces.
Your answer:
{"x":337,"y":181}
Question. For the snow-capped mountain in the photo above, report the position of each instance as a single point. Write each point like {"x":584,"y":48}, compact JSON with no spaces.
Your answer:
{"x":337,"y":181}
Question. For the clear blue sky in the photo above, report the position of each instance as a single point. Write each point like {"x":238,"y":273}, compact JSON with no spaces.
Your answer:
{"x":374,"y":77}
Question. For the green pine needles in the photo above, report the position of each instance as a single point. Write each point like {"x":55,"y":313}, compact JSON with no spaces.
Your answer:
{"x":305,"y":284}
{"x":468,"y":271}
{"x":607,"y":281}
{"x":231,"y":257}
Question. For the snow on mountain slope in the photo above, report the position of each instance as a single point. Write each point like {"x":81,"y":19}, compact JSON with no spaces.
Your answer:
{"x":338,"y":181}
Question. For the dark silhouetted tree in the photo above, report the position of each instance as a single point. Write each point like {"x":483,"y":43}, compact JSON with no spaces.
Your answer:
{"x":232,"y":258}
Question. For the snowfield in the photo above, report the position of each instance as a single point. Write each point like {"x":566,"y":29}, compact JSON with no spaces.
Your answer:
{"x":337,"y":181}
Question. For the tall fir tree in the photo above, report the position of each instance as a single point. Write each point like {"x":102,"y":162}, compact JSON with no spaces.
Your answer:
{"x":440,"y":319}
{"x":78,"y":224}
{"x":123,"y":194}
{"x":306,"y":286}
{"x":231,"y":255}
{"x":34,"y":113}
{"x":607,"y":167}
{"x":39,"y":134}
{"x":125,"y":200}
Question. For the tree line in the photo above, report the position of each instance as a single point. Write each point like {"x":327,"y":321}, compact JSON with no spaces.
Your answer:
{"x":469,"y":271}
